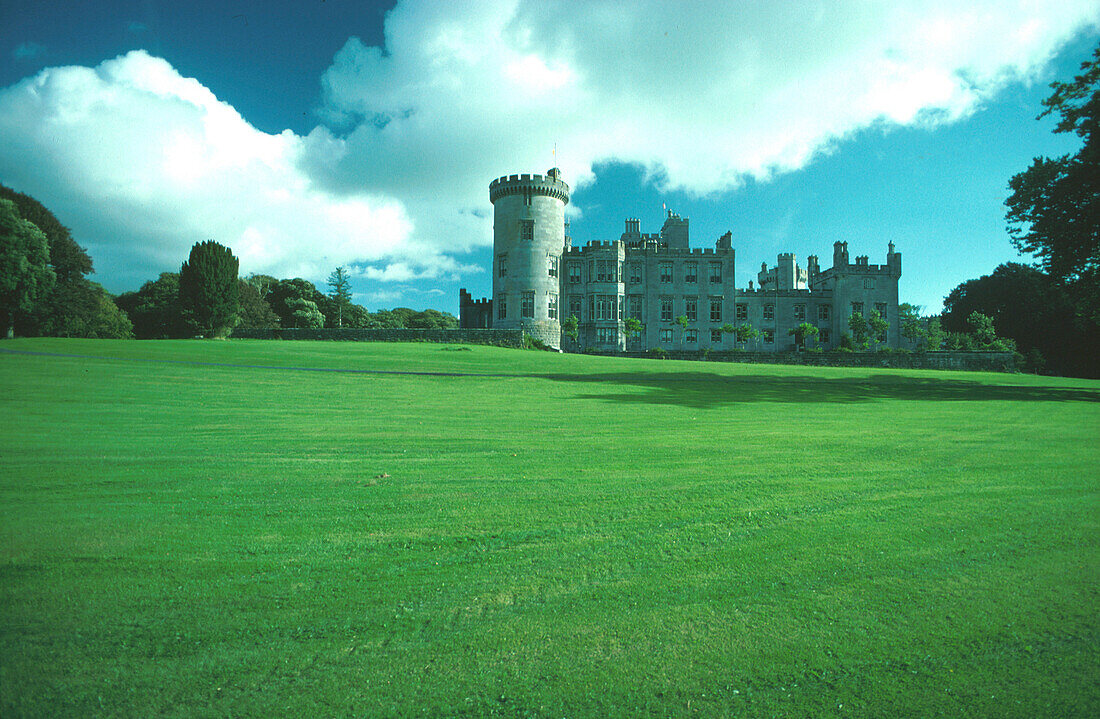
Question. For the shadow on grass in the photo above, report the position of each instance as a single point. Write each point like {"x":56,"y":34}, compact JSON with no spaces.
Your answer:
{"x":706,"y":389}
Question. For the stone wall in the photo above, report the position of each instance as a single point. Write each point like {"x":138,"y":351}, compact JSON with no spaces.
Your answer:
{"x":500,"y":338}
{"x":970,"y":361}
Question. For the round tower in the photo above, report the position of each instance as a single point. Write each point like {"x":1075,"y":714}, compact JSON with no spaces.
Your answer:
{"x":528,"y":240}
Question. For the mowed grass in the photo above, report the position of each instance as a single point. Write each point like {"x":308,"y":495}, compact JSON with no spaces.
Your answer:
{"x":538,"y":535}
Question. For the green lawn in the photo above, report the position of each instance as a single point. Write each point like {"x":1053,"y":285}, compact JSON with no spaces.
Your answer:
{"x":552,"y":535}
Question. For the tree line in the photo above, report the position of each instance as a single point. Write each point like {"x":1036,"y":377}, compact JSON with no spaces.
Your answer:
{"x":44,"y":291}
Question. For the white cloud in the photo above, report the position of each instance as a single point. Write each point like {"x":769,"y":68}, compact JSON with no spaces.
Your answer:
{"x":144,"y":162}
{"x":703,"y":95}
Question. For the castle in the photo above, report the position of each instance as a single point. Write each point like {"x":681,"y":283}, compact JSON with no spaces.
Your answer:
{"x":539,"y":279}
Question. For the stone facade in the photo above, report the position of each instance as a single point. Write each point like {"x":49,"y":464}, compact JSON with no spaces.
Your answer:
{"x":539,"y":278}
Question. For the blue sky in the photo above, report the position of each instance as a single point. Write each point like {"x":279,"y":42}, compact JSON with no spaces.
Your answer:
{"x":313,"y":134}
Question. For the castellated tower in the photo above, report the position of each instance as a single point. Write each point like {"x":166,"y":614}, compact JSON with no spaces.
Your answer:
{"x":528,"y":240}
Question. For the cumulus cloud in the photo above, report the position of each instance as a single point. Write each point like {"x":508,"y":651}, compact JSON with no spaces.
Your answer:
{"x":393,"y":182}
{"x":146,"y":162}
{"x":703,"y":95}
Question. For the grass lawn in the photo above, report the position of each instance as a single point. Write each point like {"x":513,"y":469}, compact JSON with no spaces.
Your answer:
{"x":532,"y":534}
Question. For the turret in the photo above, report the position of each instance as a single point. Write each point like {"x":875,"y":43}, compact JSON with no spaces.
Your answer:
{"x":528,"y":241}
{"x":674,"y":233}
{"x":893,"y":260}
{"x":840,"y":254}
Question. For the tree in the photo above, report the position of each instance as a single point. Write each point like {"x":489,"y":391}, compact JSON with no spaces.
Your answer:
{"x":81,"y":308}
{"x":912,"y":326}
{"x":1054,"y":209}
{"x":209,"y":295}
{"x":154,"y":310}
{"x":682,"y":320}
{"x":255,"y":312}
{"x":860,"y":331}
{"x":68,"y":259}
{"x":25,"y":272}
{"x":743,"y":333}
{"x":431,"y":320}
{"x":877,"y":327}
{"x":1032,"y":309}
{"x":340,"y":295}
{"x":802,"y":332}
{"x":570,"y":326}
{"x":296,"y":289}
{"x":632,"y":327}
{"x":305,"y":314}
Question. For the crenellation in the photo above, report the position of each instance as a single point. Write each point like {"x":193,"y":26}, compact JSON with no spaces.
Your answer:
{"x":656,"y":277}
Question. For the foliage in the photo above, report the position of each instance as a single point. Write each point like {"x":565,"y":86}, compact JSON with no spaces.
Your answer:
{"x":682,"y":320}
{"x":861,"y":332}
{"x":631,"y":328}
{"x":657,"y":353}
{"x":154,"y":310}
{"x":172,"y":529}
{"x":571,"y":325}
{"x":69,"y":260}
{"x":81,"y":308}
{"x":25,"y":272}
{"x":304,"y":314}
{"x":283,"y":292}
{"x":1032,"y":309}
{"x":534,"y":343}
{"x":254,"y":312}
{"x":340,"y":292}
{"x":209,"y":293}
{"x":1054,"y":209}
{"x":743,"y":332}
{"x":877,"y":327}
{"x":802,"y":332}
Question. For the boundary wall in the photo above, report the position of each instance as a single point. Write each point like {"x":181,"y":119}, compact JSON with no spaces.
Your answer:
{"x":500,"y":338}
{"x":968,"y":361}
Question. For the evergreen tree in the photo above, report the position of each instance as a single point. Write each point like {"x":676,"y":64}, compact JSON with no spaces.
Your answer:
{"x":340,"y":286}
{"x":209,"y":296}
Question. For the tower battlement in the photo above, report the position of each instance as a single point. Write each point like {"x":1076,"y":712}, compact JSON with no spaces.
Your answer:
{"x":548,"y":185}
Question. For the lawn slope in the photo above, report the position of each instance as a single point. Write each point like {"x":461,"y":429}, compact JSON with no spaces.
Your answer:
{"x":218,"y":528}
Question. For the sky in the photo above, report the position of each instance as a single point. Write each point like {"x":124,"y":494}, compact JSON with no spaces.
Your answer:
{"x":321,"y":133}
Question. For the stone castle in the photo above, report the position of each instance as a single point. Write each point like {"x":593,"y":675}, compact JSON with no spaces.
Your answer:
{"x":539,"y":278}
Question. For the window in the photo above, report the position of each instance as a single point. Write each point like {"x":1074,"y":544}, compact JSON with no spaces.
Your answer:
{"x":857,"y":307}
{"x":527,"y":230}
{"x":769,"y":312}
{"x":691,"y":308}
{"x":605,"y":307}
{"x":527,"y":305}
{"x":666,"y":309}
{"x":607,"y":335}
{"x":691,"y":272}
{"x":502,"y":307}
{"x":636,"y":273}
{"x":636,"y":306}
{"x":742,"y":312}
{"x":665,"y":272}
{"x":575,"y":306}
{"x":604,"y":271}
{"x":823,"y":312}
{"x":716,"y":273}
{"x":769,"y":336}
{"x":502,"y":265}
{"x":692,"y":337}
{"x":666,"y":336}
{"x":800,"y":312}
{"x":716,"y":337}
{"x":823,"y":335}
{"x":880,"y":307}
{"x":869,"y":283}
{"x":619,"y":275}
{"x":552,"y":307}
{"x":715,"y":309}
{"x":552,"y":266}
{"x":619,"y":316}
{"x":574,"y":273}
